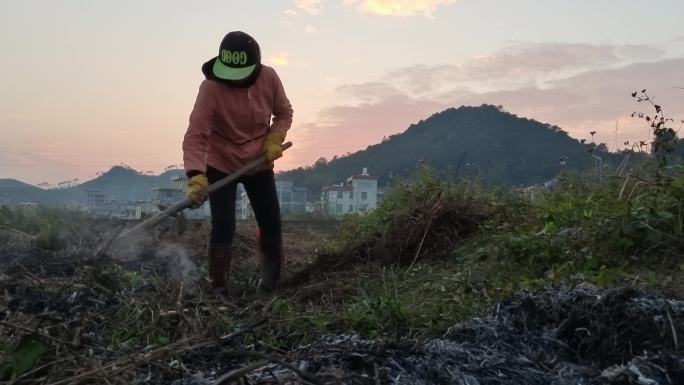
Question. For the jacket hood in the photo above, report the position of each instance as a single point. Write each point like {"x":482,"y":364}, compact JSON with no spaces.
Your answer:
{"x":207,"y":70}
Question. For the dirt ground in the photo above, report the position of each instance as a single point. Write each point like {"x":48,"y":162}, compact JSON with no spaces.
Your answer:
{"x":303,"y":241}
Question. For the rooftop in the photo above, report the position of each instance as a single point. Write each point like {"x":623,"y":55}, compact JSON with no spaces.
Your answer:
{"x":337,"y":188}
{"x":362,"y":176}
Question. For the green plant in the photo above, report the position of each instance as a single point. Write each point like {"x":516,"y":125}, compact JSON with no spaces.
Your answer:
{"x":24,"y":357}
{"x":49,"y":228}
{"x":421,"y":216}
{"x":378,"y":310}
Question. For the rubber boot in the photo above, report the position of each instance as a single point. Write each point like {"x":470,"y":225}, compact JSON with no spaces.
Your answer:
{"x":219,"y":266}
{"x":271,"y":260}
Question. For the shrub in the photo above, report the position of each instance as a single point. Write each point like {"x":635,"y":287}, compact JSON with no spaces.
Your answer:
{"x":419,"y":216}
{"x":44,"y":227}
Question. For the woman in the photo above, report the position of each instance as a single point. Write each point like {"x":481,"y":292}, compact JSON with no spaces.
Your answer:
{"x":241,"y":113}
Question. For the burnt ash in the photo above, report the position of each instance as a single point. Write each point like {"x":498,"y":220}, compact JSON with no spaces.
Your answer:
{"x":555,"y":336}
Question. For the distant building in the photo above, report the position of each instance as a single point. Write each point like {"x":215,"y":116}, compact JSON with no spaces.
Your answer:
{"x":96,"y":199}
{"x":180,"y":182}
{"x":359,"y":194}
{"x":165,"y":197}
{"x":99,"y":204}
{"x":337,"y":200}
{"x":141,"y":210}
{"x":381,"y":195}
{"x":292,"y":200}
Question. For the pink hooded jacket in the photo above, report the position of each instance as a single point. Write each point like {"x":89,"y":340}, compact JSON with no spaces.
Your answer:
{"x":229,"y":124}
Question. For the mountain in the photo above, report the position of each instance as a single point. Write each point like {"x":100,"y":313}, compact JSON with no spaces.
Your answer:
{"x":13,"y":191}
{"x":14,"y":184}
{"x":122,"y":184}
{"x":487,"y":141}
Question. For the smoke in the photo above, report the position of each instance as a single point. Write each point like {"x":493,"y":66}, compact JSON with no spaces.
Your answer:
{"x":177,"y":260}
{"x":153,"y":248}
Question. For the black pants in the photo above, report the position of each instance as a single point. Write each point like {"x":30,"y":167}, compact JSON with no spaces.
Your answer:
{"x":262,"y":194}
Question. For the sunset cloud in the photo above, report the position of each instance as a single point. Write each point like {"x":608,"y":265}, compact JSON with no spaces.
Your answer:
{"x":520,"y":65}
{"x":401,"y":8}
{"x":312,"y":7}
{"x":280,"y":59}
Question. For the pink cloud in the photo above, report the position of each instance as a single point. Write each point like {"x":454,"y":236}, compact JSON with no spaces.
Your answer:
{"x":595,"y":100}
{"x":312,"y":7}
{"x":520,"y":65}
{"x":401,"y":8}
{"x":592,"y":100}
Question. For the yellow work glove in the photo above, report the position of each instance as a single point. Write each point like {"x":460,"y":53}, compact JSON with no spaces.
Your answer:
{"x":197,"y":186}
{"x":273,"y":146}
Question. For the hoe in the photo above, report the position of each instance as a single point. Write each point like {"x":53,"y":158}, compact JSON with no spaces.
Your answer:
{"x":176,"y":208}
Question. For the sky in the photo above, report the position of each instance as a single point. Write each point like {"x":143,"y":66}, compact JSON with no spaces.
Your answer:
{"x":85,"y":85}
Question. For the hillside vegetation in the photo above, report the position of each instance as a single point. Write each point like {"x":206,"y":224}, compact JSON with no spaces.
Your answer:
{"x":484,"y":141}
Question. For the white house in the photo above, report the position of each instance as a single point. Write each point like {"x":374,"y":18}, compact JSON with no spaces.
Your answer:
{"x":358,"y":195}
{"x":99,"y":204}
{"x":165,"y":197}
{"x":337,"y":199}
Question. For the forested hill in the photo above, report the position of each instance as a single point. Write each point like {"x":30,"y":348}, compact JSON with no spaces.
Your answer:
{"x":503,"y":148}
{"x":121,"y":184}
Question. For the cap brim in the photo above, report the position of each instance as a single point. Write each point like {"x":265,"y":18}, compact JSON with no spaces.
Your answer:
{"x":222,"y":71}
